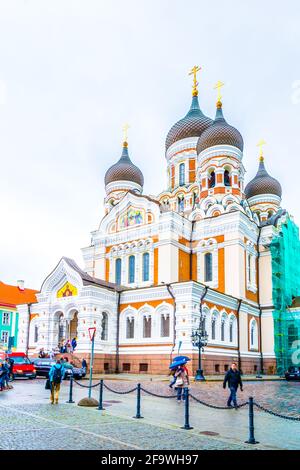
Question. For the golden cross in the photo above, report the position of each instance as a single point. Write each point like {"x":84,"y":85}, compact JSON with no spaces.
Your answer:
{"x":218,"y":87}
{"x":194,"y":72}
{"x":260,"y":144}
{"x":125,"y":132}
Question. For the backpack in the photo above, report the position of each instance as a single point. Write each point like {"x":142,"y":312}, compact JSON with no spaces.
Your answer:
{"x":57,"y":375}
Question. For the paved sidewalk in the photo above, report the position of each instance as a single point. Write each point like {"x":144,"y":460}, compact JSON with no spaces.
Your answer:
{"x":26,"y":408}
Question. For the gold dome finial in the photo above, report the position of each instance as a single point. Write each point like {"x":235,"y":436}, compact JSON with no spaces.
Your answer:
{"x":260,"y":144}
{"x":194,"y":72}
{"x":218,"y":87}
{"x":125,"y":134}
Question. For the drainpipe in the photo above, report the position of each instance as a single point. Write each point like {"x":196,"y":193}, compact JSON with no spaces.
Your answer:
{"x":170,"y":290}
{"x":201,"y":303}
{"x":238,"y":335}
{"x":117,"y":369}
{"x":28,"y":330}
{"x":259,"y":306}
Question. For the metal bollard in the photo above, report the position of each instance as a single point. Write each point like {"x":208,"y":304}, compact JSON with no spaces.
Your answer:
{"x":100,"y":406}
{"x":251,"y":439}
{"x":186,"y":409}
{"x":138,"y":403}
{"x":71,"y":391}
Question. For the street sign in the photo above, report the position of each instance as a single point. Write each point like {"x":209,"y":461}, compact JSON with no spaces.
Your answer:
{"x":92,"y":332}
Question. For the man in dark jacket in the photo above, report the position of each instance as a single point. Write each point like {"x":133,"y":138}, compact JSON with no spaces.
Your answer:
{"x":233,"y":378}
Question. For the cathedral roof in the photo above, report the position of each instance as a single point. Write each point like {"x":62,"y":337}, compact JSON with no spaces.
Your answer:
{"x":263,"y":183}
{"x":124,"y":170}
{"x":192,"y":125}
{"x":220,"y":133}
{"x":89,"y":280}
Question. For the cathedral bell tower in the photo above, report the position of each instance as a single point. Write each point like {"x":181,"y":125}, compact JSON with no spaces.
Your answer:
{"x":122,"y":177}
{"x":220,"y":153}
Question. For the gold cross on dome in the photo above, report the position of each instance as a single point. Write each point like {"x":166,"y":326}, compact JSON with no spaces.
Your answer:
{"x":194,"y":72}
{"x":260,"y":144}
{"x":125,"y":132}
{"x":218,"y":87}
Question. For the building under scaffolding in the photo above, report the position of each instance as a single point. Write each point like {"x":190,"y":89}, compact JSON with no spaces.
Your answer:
{"x":285,"y":252}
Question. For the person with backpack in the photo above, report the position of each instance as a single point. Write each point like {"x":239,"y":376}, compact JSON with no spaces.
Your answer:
{"x":56,"y":375}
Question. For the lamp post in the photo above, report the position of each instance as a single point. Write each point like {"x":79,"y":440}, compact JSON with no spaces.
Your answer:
{"x":199,"y":340}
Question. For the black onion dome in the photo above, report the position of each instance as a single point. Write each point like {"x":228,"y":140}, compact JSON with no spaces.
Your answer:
{"x":124,"y":170}
{"x":192,"y":125}
{"x":263,"y":183}
{"x":220,"y":133}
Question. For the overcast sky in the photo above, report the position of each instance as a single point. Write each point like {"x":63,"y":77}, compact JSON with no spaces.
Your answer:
{"x":73,"y":71}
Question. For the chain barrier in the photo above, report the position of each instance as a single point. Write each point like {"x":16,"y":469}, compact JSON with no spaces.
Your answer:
{"x":117,"y":391}
{"x":208,"y":405}
{"x":262,"y":408}
{"x":86,"y":386}
{"x":216,"y":407}
{"x":156,"y":395}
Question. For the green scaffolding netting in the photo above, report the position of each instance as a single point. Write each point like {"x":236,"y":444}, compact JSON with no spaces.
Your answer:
{"x":285,"y":255}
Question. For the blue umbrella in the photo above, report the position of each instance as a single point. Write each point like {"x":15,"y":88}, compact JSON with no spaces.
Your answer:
{"x":179,"y":361}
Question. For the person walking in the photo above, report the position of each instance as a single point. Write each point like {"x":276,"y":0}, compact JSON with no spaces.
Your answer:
{"x":56,"y":375}
{"x":233,"y":378}
{"x":182,"y":381}
{"x":74,"y":344}
{"x":84,"y":365}
{"x":2,"y":375}
{"x":11,"y":365}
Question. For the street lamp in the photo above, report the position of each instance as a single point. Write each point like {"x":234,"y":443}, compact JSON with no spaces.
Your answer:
{"x":199,"y":340}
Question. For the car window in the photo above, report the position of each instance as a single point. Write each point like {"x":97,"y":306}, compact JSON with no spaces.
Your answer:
{"x":21,"y":360}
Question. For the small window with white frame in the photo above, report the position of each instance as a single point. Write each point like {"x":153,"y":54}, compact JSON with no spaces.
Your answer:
{"x":6,"y":318}
{"x":4,"y":337}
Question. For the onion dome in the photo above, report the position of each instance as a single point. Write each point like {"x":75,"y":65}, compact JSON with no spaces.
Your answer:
{"x":192,"y":125}
{"x":220,"y":133}
{"x":124,"y":170}
{"x":263,"y":183}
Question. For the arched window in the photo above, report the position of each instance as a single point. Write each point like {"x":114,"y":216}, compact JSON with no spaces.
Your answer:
{"x":253,"y":335}
{"x":104,"y":327}
{"x":36,"y":334}
{"x":129,"y":328}
{"x":195,"y":199}
{"x":213,"y":328}
{"x":118,"y":270}
{"x":181,"y":174}
{"x":146,"y":267}
{"x":226,"y":178}
{"x":231,"y":332}
{"x":147,"y":327}
{"x":131,"y":269}
{"x":180,"y":203}
{"x":212,"y":180}
{"x":165,"y":325}
{"x":223,"y":330}
{"x":249,"y":268}
{"x":208,"y":267}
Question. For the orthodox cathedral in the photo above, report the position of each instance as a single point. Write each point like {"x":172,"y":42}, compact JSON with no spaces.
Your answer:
{"x":195,"y":257}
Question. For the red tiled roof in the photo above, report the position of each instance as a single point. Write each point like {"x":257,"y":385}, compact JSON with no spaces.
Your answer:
{"x":12,"y":295}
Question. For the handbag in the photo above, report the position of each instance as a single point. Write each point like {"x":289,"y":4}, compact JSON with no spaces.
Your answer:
{"x":47,"y":385}
{"x":179,"y":381}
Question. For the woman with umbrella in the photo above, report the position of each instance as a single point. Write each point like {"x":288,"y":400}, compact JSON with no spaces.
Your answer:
{"x":181,"y":376}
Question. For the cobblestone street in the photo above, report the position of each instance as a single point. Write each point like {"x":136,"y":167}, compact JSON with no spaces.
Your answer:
{"x":32,"y":423}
